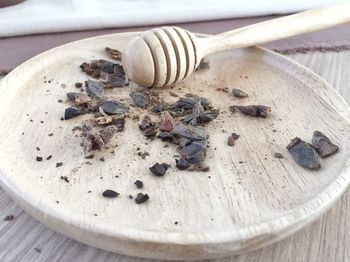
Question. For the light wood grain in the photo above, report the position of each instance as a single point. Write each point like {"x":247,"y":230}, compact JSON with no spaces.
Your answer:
{"x":104,"y":254}
{"x":157,"y":48}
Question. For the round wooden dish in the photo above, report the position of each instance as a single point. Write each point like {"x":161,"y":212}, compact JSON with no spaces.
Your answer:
{"x":247,"y":200}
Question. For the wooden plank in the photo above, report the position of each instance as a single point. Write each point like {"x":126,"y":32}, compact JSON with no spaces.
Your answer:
{"x":325,"y":240}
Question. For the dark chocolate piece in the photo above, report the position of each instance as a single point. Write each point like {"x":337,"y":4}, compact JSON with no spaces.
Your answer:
{"x":39,"y":158}
{"x":141,"y":198}
{"x":194,"y":152}
{"x":189,"y":132}
{"x":71,"y":112}
{"x":94,"y":88}
{"x":182,"y":164}
{"x":139,"y":99}
{"x":114,"y":108}
{"x":323,"y":145}
{"x":304,"y":154}
{"x":159,"y":169}
{"x":110,"y":193}
{"x":59,"y":164}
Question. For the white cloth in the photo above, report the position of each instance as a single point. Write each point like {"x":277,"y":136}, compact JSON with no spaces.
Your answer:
{"x":43,"y":16}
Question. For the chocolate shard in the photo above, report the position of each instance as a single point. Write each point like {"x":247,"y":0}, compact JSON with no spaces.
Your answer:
{"x":252,"y":110}
{"x":239,"y":93}
{"x":94,"y":88}
{"x":116,"y":80}
{"x":141,"y":198}
{"x":189,"y":132}
{"x":167,"y":122}
{"x":71,"y":112}
{"x":182,"y":164}
{"x":140,"y":99}
{"x":138,"y":184}
{"x":114,"y":108}
{"x":323,"y":144}
{"x":110,"y":193}
{"x":107,"y":67}
{"x":232,"y":139}
{"x":304,"y":154}
{"x":159,"y":169}
{"x":193,"y":153}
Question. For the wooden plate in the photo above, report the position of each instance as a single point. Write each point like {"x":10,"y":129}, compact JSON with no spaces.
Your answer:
{"x":247,"y":200}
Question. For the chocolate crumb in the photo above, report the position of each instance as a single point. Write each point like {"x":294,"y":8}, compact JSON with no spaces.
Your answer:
{"x":239,"y":93}
{"x":49,"y":157}
{"x":141,"y":198}
{"x":232,"y":139}
{"x":102,"y":159}
{"x":9,"y":217}
{"x":131,"y":197}
{"x":278,"y":155}
{"x":110,"y":193}
{"x":39,"y":158}
{"x":78,"y":85}
{"x":59,"y":164}
{"x":37,"y":250}
{"x":138,"y":184}
{"x":91,"y":156}
{"x":37,"y":148}
{"x":65,"y":178}
{"x":51,"y":134}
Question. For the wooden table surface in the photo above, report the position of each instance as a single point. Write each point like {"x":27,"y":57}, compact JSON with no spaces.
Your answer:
{"x":328,"y":239}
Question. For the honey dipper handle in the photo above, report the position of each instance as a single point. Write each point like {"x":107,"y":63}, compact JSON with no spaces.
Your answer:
{"x":279,"y":28}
